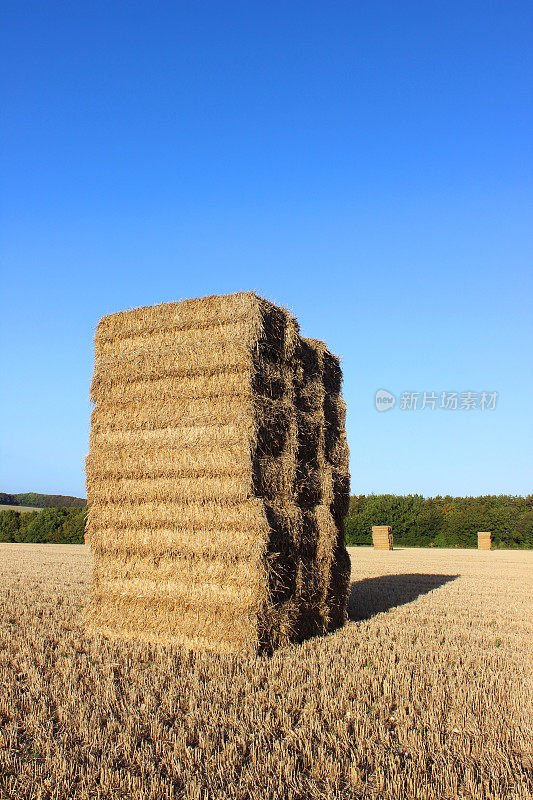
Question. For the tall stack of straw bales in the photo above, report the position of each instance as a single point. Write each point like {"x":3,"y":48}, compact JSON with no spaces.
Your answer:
{"x":217,"y":477}
{"x":382,"y":537}
{"x":484,"y":540}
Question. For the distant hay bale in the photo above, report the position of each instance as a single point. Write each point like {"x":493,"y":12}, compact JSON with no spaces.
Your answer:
{"x":484,"y":540}
{"x":217,"y":477}
{"x":382,"y":537}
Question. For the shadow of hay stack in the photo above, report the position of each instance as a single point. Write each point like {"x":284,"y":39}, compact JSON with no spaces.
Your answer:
{"x":371,"y":596}
{"x":217,"y":477}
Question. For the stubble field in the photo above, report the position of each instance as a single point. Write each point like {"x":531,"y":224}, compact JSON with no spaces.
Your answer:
{"x":425,"y":693}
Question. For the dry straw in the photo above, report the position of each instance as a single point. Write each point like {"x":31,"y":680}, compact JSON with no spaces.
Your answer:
{"x":382,"y":537}
{"x":484,"y":540}
{"x":217,"y":477}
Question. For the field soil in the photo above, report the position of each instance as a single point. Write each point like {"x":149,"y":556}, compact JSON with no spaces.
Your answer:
{"x":19,"y":509}
{"x":426,"y":692}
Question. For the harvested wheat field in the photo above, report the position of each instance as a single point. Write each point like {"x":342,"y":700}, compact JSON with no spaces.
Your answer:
{"x":425,"y":693}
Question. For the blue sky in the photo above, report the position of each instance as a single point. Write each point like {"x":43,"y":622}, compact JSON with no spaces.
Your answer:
{"x":368,"y":165}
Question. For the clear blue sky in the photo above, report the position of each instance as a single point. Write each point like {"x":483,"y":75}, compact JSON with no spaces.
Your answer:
{"x":368,"y":165}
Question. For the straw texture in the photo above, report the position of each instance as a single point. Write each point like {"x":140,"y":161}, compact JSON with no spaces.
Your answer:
{"x":382,"y":537}
{"x":217,"y":477}
{"x":484,"y":540}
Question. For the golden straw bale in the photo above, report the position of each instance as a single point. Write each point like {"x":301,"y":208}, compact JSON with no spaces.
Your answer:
{"x":382,"y":537}
{"x":193,"y":436}
{"x":484,"y":540}
{"x":217,"y":477}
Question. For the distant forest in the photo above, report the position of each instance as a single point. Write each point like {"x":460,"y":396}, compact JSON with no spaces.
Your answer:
{"x":51,"y":525}
{"x":41,"y":500}
{"x":416,"y":521}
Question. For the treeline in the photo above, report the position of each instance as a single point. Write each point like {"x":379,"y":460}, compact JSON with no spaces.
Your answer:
{"x":442,"y":521}
{"x":52,"y":526}
{"x":416,"y":521}
{"x":35,"y":500}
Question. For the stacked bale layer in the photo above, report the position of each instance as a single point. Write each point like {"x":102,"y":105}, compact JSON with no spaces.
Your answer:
{"x":217,"y":477}
{"x":484,"y":540}
{"x":382,"y":537}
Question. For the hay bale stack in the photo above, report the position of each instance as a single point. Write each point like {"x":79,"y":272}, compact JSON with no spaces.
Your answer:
{"x":484,"y":540}
{"x":322,"y":487}
{"x":382,"y":537}
{"x":217,"y":477}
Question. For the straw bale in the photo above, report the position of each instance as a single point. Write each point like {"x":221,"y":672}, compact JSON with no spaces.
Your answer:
{"x":167,"y":622}
{"x":382,"y":537}
{"x":323,"y":488}
{"x":159,"y":414}
{"x":110,"y":461}
{"x":173,"y":361}
{"x":231,"y":487}
{"x":341,"y":480}
{"x":165,"y":338}
{"x":484,"y":540}
{"x":225,"y":542}
{"x":214,"y":384}
{"x":338,"y":587}
{"x":217,"y":477}
{"x":203,"y":312}
{"x":192,"y":516}
{"x":193,"y":436}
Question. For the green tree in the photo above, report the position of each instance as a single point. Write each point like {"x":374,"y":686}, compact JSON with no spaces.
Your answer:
{"x":47,"y":526}
{"x":74,"y":526}
{"x":428,"y":524}
{"x":523,"y":530}
{"x":9,"y":525}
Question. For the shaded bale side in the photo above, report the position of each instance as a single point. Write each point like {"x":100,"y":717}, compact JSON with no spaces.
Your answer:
{"x":313,"y":567}
{"x":338,"y":589}
{"x":340,"y":472}
{"x":274,"y":473}
{"x":320,"y":486}
{"x":326,"y":547}
{"x":310,"y":620}
{"x":334,"y":424}
{"x":309,"y":400}
{"x":336,"y":488}
{"x":307,"y":377}
{"x":341,"y":564}
{"x":312,"y":576}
